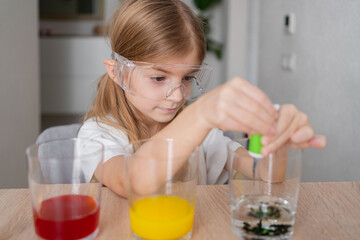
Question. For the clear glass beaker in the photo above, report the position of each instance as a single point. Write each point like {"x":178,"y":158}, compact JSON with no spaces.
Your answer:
{"x":263,"y":192}
{"x":65,"y":203}
{"x":162,"y":178}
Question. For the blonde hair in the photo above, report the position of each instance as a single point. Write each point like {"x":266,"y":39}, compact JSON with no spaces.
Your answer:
{"x":144,"y":30}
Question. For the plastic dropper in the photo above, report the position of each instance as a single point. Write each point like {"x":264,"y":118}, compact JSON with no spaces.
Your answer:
{"x":255,"y":149}
{"x":255,"y":145}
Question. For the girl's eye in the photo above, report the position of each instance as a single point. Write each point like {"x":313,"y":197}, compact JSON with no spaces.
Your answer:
{"x":189,"y":78}
{"x":157,"y":78}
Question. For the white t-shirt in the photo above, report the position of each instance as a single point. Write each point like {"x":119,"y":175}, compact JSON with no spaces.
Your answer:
{"x":211,"y":163}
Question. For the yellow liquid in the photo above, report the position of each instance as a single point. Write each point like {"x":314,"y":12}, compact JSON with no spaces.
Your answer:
{"x":161,"y":217}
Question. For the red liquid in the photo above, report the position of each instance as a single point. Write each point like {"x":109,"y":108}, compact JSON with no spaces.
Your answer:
{"x":67,"y":217}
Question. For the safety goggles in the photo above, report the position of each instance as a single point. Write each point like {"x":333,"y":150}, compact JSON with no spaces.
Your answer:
{"x":159,"y":81}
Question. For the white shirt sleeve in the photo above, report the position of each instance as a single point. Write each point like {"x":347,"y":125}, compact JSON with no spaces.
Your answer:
{"x":114,"y":141}
{"x":216,"y":157}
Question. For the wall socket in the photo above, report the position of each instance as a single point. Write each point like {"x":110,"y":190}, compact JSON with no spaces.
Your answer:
{"x":290,"y":23}
{"x":288,"y":62}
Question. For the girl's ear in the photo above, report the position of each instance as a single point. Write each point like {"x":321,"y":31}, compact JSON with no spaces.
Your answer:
{"x":109,"y":64}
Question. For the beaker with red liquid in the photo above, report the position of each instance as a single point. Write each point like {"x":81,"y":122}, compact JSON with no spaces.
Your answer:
{"x":65,"y":197}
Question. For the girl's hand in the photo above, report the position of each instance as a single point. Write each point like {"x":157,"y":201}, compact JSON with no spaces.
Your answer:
{"x":292,"y":128}
{"x":237,"y":105}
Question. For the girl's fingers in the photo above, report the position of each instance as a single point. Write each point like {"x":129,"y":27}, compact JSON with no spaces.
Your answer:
{"x":290,"y":121}
{"x":318,"y":141}
{"x":237,"y":119}
{"x":255,"y":108}
{"x":303,"y":134}
{"x":287,"y":113}
{"x":233,"y":125}
{"x":254,"y":93}
{"x":293,"y":129}
{"x":228,"y":102}
{"x":299,"y":145}
{"x":279,"y":141}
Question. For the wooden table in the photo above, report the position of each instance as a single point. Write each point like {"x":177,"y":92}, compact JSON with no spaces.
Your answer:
{"x":325,"y":211}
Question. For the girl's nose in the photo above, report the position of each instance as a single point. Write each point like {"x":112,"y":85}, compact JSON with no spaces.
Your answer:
{"x":177,"y":93}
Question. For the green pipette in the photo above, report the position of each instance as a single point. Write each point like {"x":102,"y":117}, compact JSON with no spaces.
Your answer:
{"x":255,"y":145}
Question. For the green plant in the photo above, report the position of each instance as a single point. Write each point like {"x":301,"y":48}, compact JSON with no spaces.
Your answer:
{"x":203,"y":6}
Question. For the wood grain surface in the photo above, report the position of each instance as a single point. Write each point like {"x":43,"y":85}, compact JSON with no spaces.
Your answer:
{"x":325,"y":211}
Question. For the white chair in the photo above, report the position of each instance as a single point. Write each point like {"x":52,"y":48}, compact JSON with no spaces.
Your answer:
{"x":59,"y":132}
{"x":50,"y":170}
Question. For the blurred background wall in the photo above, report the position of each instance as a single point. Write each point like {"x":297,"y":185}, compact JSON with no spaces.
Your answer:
{"x":325,"y":80}
{"x":19,"y":88}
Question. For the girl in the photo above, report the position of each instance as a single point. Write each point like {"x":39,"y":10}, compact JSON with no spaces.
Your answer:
{"x":158,"y":50}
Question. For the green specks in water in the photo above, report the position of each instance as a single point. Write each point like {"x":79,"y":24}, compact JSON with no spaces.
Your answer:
{"x":265,"y":212}
{"x":272,"y":230}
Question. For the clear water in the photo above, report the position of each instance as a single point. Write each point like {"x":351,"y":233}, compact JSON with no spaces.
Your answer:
{"x":277,"y":218}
